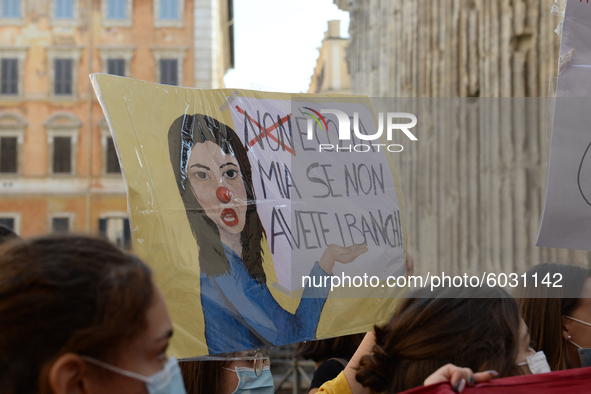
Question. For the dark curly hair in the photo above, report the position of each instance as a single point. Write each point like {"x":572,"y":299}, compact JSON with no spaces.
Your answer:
{"x":431,"y":330}
{"x":184,"y":133}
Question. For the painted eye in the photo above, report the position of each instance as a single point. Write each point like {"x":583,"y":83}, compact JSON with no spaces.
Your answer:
{"x":231,"y":174}
{"x":201,"y":175}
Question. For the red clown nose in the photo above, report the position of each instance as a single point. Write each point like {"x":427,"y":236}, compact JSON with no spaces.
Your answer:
{"x":223,"y":194}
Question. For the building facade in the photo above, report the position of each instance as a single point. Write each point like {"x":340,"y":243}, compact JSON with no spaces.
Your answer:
{"x":58,"y":166}
{"x":473,"y":194}
{"x":331,"y":74}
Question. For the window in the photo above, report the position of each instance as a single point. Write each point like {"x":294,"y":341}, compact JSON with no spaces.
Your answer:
{"x":62,"y":155}
{"x":11,"y":12}
{"x":62,"y":135}
{"x":63,"y":71}
{"x":60,"y":225}
{"x":12,"y":60}
{"x":64,"y":9}
{"x":117,"y":12}
{"x":110,"y":159}
{"x":9,"y":76}
{"x":116,"y":59}
{"x":8,"y":222}
{"x":169,"y":64}
{"x":116,"y":229}
{"x":64,"y":13}
{"x":8,"y":155}
{"x":168,"y":13}
{"x":231,"y":33}
{"x":169,"y":9}
{"x":11,"y":220}
{"x":63,"y":77}
{"x":169,"y":71}
{"x":61,"y":222}
{"x":116,"y":9}
{"x":12,"y":130}
{"x":116,"y":67}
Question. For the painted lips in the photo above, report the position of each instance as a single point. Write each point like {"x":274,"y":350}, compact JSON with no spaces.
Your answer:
{"x":229,"y":217}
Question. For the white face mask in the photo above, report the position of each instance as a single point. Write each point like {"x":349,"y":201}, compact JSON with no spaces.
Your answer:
{"x":584,"y":353}
{"x":166,"y":381}
{"x":537,"y":363}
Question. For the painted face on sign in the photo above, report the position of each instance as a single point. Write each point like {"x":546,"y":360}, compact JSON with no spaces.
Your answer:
{"x":217,"y":184}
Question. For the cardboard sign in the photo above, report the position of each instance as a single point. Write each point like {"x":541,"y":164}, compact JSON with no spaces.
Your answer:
{"x":566,"y":220}
{"x":246,"y":224}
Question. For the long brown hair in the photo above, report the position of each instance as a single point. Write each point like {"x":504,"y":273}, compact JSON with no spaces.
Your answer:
{"x":62,"y":294}
{"x":431,"y":329}
{"x":543,"y":306}
{"x":204,"y":376}
{"x":184,"y":133}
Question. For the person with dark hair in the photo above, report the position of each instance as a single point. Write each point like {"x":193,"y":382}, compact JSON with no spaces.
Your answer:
{"x":236,"y":374}
{"x":205,"y":376}
{"x":423,"y":337}
{"x":559,"y":314}
{"x":330,"y":356}
{"x":214,"y":178}
{"x":77,"y":314}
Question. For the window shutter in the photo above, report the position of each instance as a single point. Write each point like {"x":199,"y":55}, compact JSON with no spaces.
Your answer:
{"x":68,"y":76}
{"x":126,"y":234}
{"x":116,"y":67}
{"x":62,"y":155}
{"x":60,"y":225}
{"x":63,"y":76}
{"x":8,"y":155}
{"x":13,"y":76}
{"x":9,"y":76}
{"x":103,"y":227}
{"x":112,"y":160}
{"x":58,"y":70}
{"x":169,"y":71}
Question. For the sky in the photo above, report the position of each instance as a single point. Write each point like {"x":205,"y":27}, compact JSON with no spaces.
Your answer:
{"x":277,"y":41}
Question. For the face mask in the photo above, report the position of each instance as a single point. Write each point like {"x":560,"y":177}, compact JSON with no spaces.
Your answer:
{"x":537,"y":363}
{"x":166,"y":381}
{"x":584,"y":353}
{"x":250,"y":383}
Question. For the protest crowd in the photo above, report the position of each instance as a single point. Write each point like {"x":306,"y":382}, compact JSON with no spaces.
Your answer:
{"x":225,"y":217}
{"x":79,"y":315}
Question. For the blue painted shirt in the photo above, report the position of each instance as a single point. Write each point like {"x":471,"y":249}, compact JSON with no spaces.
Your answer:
{"x":242,"y":314}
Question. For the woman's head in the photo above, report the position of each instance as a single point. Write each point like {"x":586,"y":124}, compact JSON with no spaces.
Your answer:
{"x":474,"y":328}
{"x":214,"y":178}
{"x":544,"y":309}
{"x":221,"y":376}
{"x":69,"y":297}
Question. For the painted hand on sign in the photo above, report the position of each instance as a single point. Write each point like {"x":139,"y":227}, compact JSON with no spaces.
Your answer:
{"x":341,"y":254}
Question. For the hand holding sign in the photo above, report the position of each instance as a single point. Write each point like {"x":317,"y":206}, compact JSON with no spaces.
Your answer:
{"x":343,"y":255}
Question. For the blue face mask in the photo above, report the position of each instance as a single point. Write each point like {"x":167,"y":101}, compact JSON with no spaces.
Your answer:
{"x":166,"y":381}
{"x":250,"y":383}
